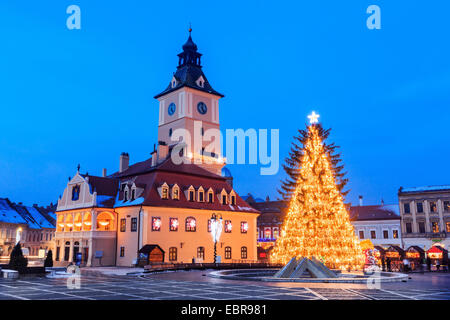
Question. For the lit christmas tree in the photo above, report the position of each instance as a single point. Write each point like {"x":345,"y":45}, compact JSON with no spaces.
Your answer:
{"x":317,"y":223}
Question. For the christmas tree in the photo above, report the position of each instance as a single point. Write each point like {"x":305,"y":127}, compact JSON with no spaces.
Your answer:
{"x":317,"y":223}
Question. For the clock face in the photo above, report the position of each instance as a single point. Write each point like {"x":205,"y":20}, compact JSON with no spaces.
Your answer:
{"x":171,"y":109}
{"x":202,"y":108}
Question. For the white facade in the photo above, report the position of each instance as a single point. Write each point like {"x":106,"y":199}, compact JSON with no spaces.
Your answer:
{"x":382,"y":233}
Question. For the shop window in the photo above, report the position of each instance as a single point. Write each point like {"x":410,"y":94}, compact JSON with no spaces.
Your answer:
{"x":191,"y":224}
{"x":156,"y":223}
{"x":172,"y":254}
{"x":133,"y":224}
{"x":373,"y":234}
{"x":122,"y":251}
{"x":243,"y":252}
{"x":395,"y":234}
{"x":267,"y":233}
{"x":421,"y":227}
{"x":173,"y":224}
{"x":228,"y":226}
{"x":406,"y":207}
{"x":433,"y":207}
{"x":275,"y":233}
{"x":385,"y":234}
{"x":123,"y":223}
{"x":201,"y":253}
{"x":227,"y":252}
{"x":419,"y":207}
{"x":244,"y":227}
{"x":361,"y":234}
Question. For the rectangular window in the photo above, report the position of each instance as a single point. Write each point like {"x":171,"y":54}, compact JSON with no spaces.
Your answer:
{"x":275,"y":233}
{"x":233,"y":200}
{"x":406,"y":207}
{"x":123,"y":224}
{"x":191,"y":195}
{"x":244,"y":226}
{"x":165,"y":193}
{"x":210,"y":197}
{"x":200,"y":196}
{"x":173,"y":224}
{"x":447,"y":225}
{"x":133,"y":224}
{"x":421,"y":227}
{"x":373,"y":234}
{"x":435,"y":227}
{"x":361,"y":234}
{"x":419,"y":207}
{"x":385,"y":234}
{"x":408,"y":227}
{"x":228,"y":226}
{"x":224,"y":199}
{"x":267,"y":233}
{"x":433,"y":207}
{"x":447,"y":206}
{"x":156,"y":223}
{"x":122,"y":251}
{"x":395,"y":234}
{"x":172,"y":254}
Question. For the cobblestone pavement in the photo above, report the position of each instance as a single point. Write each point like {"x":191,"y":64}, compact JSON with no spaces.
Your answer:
{"x":195,"y":285}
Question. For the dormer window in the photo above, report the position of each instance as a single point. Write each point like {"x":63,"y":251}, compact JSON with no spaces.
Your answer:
{"x":210,"y":196}
{"x":190,"y":193}
{"x":232,"y":198}
{"x":125,"y":195}
{"x":201,"y":195}
{"x":175,"y":193}
{"x":224,"y":199}
{"x":173,"y":83}
{"x":133,"y":194}
{"x":165,"y":193}
{"x":191,"y":196}
{"x":200,"y":82}
{"x":75,"y":193}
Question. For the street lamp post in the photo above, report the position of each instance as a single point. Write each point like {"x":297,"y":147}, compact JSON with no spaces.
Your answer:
{"x":216,"y":230}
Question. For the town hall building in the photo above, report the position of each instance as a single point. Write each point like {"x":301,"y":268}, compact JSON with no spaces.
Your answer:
{"x":161,"y":202}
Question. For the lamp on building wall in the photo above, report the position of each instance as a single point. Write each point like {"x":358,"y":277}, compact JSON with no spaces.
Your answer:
{"x":103,"y":223}
{"x":216,"y":231}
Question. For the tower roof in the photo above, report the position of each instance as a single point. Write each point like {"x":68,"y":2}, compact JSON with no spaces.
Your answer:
{"x":189,"y":71}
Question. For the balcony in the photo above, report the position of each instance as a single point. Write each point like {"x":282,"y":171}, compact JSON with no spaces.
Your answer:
{"x":85,"y":234}
{"x":428,"y":235}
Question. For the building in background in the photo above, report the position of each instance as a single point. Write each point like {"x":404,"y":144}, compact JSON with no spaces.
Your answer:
{"x":157,"y":203}
{"x":33,"y":226}
{"x":425,"y":216}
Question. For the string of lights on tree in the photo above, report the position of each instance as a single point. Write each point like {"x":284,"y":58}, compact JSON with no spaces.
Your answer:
{"x":317,"y":223}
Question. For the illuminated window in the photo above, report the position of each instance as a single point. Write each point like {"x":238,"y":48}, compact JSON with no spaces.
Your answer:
{"x":228,"y":226}
{"x":123,"y":223}
{"x":176,"y":193}
{"x":173,"y":224}
{"x":395,"y":234}
{"x":243,"y":252}
{"x":122,"y":251}
{"x":201,"y":253}
{"x":172,"y":254}
{"x":275,"y":233}
{"x":447,"y":225}
{"x":156,"y":224}
{"x":447,"y":206}
{"x":385,"y":234}
{"x":433,"y":207}
{"x":244,"y":226}
{"x":361,"y":234}
{"x":435,"y":227}
{"x":227,"y":252}
{"x":133,"y":224}
{"x":165,"y":193}
{"x":267,"y":233}
{"x":190,"y":224}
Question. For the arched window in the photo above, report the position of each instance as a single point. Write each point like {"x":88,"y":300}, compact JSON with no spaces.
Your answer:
{"x":201,"y":253}
{"x":176,"y":192}
{"x":75,"y":192}
{"x":172,"y":254}
{"x":227,"y":252}
{"x":243,"y":252}
{"x":77,"y":222}
{"x":105,"y":221}
{"x":191,"y":224}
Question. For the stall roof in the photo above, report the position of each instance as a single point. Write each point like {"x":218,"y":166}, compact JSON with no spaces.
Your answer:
{"x":149,"y":248}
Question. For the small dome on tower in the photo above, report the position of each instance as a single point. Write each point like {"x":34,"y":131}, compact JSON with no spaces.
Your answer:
{"x":189,"y":45}
{"x":226,"y":173}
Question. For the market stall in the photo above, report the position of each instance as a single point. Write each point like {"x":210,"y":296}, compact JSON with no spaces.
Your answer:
{"x":416,"y":256}
{"x":394,"y":257}
{"x":438,"y":254}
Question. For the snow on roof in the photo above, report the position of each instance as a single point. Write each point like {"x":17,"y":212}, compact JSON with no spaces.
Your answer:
{"x":426,"y":188}
{"x":8,"y":214}
{"x":39,"y":218}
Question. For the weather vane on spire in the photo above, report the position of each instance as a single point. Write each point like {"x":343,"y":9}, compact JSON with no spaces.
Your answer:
{"x":313,"y":118}
{"x":190,"y":28}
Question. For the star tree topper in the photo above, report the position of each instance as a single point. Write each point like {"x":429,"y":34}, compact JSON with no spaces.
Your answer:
{"x":313,"y":118}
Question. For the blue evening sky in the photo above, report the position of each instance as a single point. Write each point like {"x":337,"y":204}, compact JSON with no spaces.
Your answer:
{"x":84,"y":96}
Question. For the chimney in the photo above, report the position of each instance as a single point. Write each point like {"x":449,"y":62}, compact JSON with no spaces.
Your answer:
{"x":163,"y":151}
{"x":124,"y":161}
{"x":104,"y":172}
{"x":360,"y":201}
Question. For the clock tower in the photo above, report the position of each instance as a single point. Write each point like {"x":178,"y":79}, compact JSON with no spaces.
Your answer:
{"x":190,"y":106}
